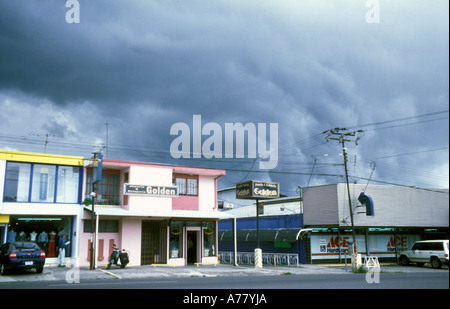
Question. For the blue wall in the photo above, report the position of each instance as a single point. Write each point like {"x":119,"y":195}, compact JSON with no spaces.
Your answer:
{"x":266,"y":222}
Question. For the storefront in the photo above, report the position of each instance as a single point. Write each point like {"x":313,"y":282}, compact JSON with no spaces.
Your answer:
{"x":331,"y":245}
{"x":193,"y":241}
{"x":157,"y":239}
{"x":41,"y":200}
{"x":46,"y":231}
{"x":160,"y":214}
{"x":401,"y":216}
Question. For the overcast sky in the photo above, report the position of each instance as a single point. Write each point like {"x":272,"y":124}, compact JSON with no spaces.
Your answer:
{"x":129,"y":70}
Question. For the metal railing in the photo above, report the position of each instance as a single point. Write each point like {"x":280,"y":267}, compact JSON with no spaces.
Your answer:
{"x":271,"y":259}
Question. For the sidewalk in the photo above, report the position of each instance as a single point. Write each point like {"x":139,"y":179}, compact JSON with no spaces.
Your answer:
{"x":148,"y":271}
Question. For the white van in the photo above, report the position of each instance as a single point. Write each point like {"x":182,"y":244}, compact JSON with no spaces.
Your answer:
{"x":426,"y":251}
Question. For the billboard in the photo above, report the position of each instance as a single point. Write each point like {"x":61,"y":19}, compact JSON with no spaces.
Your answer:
{"x":257,"y":190}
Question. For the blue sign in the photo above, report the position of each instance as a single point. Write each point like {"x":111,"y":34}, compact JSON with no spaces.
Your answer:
{"x":98,"y":165}
{"x":43,"y":185}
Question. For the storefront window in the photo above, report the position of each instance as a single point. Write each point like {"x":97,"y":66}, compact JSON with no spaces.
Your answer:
{"x":17,"y":182}
{"x":176,"y":239}
{"x":209,"y":238}
{"x":44,"y":230}
{"x":49,"y":183}
{"x":43,"y":185}
{"x":68,"y":183}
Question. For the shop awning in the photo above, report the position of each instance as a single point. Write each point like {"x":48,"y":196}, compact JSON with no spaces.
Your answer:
{"x":191,"y":214}
{"x":289,"y":235}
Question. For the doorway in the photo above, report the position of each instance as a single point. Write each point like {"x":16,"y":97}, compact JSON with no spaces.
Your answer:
{"x":153,"y":242}
{"x":192,"y":247}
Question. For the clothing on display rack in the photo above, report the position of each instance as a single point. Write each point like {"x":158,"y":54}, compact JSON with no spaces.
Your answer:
{"x":43,"y":240}
{"x":33,"y":236}
{"x":51,"y":245}
{"x":22,"y":236}
{"x":12,"y":236}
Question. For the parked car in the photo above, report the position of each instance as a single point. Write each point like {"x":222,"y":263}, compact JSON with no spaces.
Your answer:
{"x":21,"y":254}
{"x":426,"y":251}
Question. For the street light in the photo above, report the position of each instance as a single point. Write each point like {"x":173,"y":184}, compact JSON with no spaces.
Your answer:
{"x":92,"y":253}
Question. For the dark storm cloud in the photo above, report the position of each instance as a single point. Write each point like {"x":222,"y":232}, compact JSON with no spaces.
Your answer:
{"x":309,"y":66}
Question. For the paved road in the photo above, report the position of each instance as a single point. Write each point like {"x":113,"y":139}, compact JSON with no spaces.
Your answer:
{"x":229,"y":285}
{"x":415,"y":280}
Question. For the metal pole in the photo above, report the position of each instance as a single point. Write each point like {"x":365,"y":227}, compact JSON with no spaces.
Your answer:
{"x":235,"y":242}
{"x":91,"y":264}
{"x":93,"y":225}
{"x":257,"y":224}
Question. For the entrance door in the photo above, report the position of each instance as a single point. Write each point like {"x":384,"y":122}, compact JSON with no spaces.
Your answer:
{"x":150,"y":243}
{"x":192,"y":247}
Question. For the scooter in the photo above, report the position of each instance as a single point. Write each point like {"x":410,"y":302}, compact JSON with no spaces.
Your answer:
{"x":118,"y":258}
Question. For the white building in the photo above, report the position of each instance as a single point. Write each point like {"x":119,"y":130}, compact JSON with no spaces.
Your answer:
{"x":401,"y":216}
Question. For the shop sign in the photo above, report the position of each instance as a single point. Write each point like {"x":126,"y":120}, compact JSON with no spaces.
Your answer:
{"x":43,"y":184}
{"x":257,"y":190}
{"x":98,"y":168}
{"x":322,"y":245}
{"x":337,"y":244}
{"x":401,"y":243}
{"x":147,"y":190}
{"x":4,"y":218}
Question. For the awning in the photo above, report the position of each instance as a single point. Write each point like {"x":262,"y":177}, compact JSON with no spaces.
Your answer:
{"x":289,"y":235}
{"x":191,"y":214}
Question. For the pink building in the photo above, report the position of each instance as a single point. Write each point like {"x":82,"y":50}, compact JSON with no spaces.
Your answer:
{"x":161,"y":214}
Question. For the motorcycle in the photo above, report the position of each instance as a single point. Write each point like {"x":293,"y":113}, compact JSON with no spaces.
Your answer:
{"x":118,"y":258}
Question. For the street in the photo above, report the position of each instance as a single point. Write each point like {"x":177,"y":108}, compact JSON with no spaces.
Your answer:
{"x":425,"y":280}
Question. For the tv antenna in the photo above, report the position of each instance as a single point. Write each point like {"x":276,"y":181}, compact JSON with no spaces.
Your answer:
{"x":47,"y":135}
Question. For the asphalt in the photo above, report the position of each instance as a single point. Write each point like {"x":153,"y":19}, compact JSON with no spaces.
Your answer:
{"x":75,"y":274}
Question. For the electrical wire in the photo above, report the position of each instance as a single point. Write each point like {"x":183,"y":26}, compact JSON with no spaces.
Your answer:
{"x":402,"y":119}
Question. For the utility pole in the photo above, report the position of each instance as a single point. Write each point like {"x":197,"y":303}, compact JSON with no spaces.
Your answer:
{"x":96,"y":177}
{"x":341,"y":135}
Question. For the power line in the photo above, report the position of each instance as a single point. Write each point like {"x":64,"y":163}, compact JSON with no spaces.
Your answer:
{"x":410,"y":153}
{"x":403,"y":119}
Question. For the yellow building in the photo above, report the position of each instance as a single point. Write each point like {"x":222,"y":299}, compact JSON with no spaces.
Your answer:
{"x":40,"y":199}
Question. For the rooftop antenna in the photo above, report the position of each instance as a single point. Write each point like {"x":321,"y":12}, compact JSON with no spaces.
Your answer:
{"x":47,"y":135}
{"x":106,"y":147}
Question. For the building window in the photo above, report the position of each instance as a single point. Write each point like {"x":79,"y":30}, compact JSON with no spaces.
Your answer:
{"x":187,"y":186}
{"x":17,"y":182}
{"x":192,"y":187}
{"x":104,"y":226}
{"x":107,"y":190}
{"x":176,"y":239}
{"x":44,"y":183}
{"x":209,"y":238}
{"x":44,"y":230}
{"x":68,"y":183}
{"x":181,"y":183}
